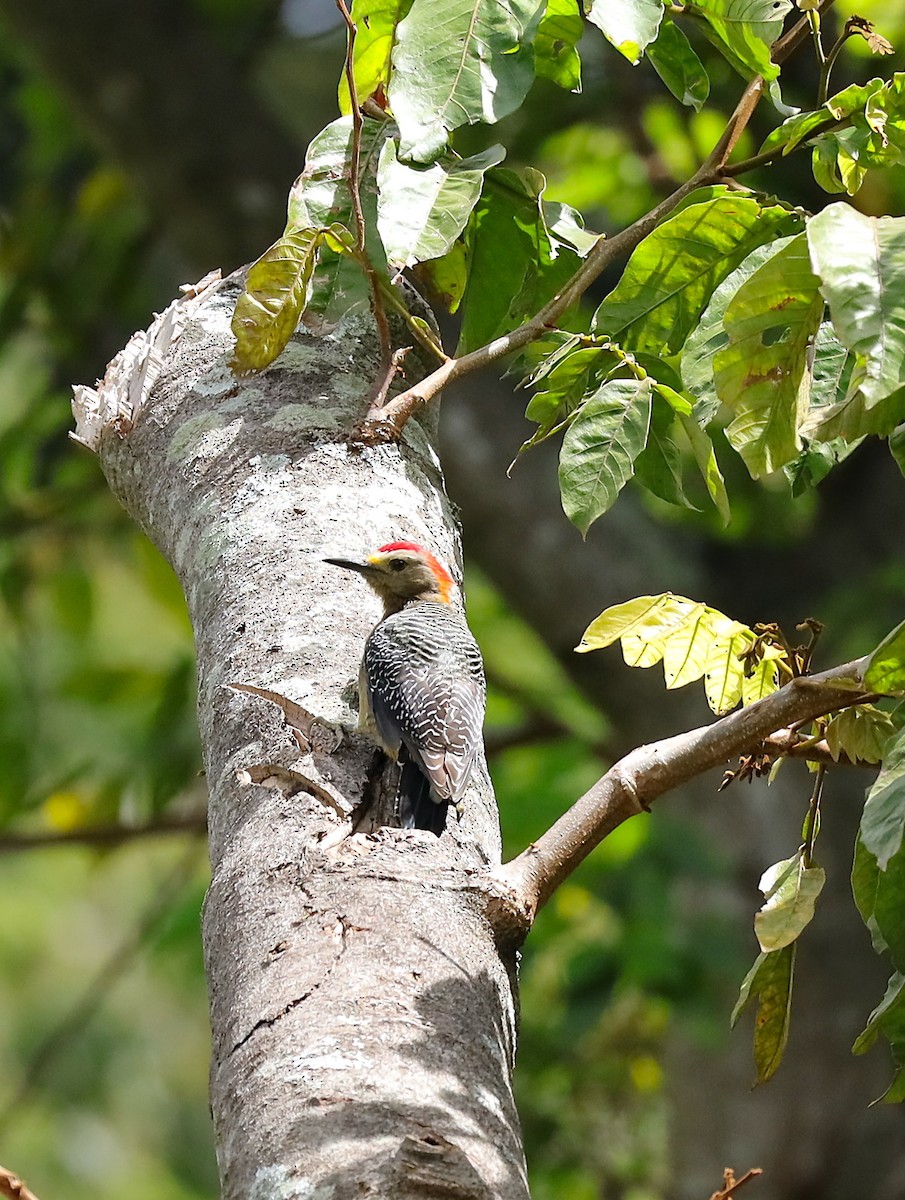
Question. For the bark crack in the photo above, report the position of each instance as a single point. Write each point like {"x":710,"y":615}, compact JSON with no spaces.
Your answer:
{"x":342,"y":927}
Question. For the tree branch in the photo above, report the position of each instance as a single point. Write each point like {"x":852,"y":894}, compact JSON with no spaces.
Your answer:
{"x":103,"y":835}
{"x":388,"y":423}
{"x":632,"y":784}
{"x":14,"y":1188}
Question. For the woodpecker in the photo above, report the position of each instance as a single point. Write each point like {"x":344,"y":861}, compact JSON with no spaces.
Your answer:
{"x":421,"y":684}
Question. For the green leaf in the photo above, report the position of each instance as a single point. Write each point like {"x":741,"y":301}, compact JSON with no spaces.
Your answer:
{"x":865,"y":883}
{"x":672,"y":274}
{"x":445,"y":277}
{"x":375,"y":22}
{"x":744,"y":31}
{"x":659,"y":465}
{"x":629,"y":25}
{"x":889,"y":907}
{"x":897,"y":446}
{"x":791,"y":890}
{"x":515,"y":263}
{"x":276,"y":292}
{"x":458,"y":63}
{"x":861,"y":264}
{"x":709,"y":335}
{"x":321,"y":196}
{"x":555,"y":53}
{"x":678,"y":66}
{"x":886,"y":669}
{"x":793,"y":131}
{"x":422,"y":210}
{"x":769,"y":982}
{"x":571,"y":379}
{"x":861,"y":732}
{"x":888,"y":1017}
{"x":566,"y":225}
{"x":600,"y":447}
{"x":705,"y":457}
{"x":883,"y":819}
{"x":762,"y":374}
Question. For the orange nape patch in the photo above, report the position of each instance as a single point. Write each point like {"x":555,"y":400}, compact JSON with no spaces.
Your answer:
{"x":444,"y":579}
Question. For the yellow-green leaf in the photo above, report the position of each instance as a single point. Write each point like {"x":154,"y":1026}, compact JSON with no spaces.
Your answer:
{"x":276,"y":292}
{"x":763,"y":680}
{"x":647,"y":617}
{"x":724,"y":669}
{"x":769,"y":982}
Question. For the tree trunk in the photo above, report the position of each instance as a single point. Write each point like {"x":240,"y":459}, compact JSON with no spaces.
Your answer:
{"x":363,"y":1013}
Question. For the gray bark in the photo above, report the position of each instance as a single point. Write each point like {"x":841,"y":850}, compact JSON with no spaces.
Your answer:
{"x":362,"y":1013}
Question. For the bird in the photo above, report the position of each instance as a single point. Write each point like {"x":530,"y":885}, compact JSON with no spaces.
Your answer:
{"x":421,"y":687}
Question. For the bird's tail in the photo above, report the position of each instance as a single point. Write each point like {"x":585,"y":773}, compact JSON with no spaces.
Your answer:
{"x":417,"y":808}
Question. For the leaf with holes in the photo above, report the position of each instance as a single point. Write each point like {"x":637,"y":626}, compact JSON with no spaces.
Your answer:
{"x":276,"y":292}
{"x":555,"y":45}
{"x":861,"y":264}
{"x":709,"y":335}
{"x":762,"y":374}
{"x":376,"y":22}
{"x":321,"y":196}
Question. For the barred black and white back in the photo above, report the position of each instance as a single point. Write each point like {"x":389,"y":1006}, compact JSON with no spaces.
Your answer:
{"x":423,"y":679}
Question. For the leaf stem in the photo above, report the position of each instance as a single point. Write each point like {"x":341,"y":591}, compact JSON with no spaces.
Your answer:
{"x":380,"y":317}
{"x":827,"y":64}
{"x":812,"y":819}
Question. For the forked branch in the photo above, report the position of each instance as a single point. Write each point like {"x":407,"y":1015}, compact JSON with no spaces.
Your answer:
{"x":631,"y":785}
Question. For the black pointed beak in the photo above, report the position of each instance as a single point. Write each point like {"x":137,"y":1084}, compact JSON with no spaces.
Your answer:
{"x":361,"y":568}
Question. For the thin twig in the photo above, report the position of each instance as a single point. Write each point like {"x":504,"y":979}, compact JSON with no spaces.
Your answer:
{"x":418,"y":329}
{"x":378,"y":393}
{"x":731,"y":1185}
{"x":77,"y":1017}
{"x":785,"y":743}
{"x":380,"y":317}
{"x":14,"y":1188}
{"x":103,"y":835}
{"x":632,"y":784}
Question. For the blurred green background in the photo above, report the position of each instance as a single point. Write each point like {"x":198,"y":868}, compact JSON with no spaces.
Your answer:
{"x":141,"y":145}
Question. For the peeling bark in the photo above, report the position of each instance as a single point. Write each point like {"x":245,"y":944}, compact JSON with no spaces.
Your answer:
{"x":363,"y":1014}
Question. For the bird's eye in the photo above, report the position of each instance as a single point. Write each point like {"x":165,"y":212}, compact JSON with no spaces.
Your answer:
{"x":397,"y":564}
